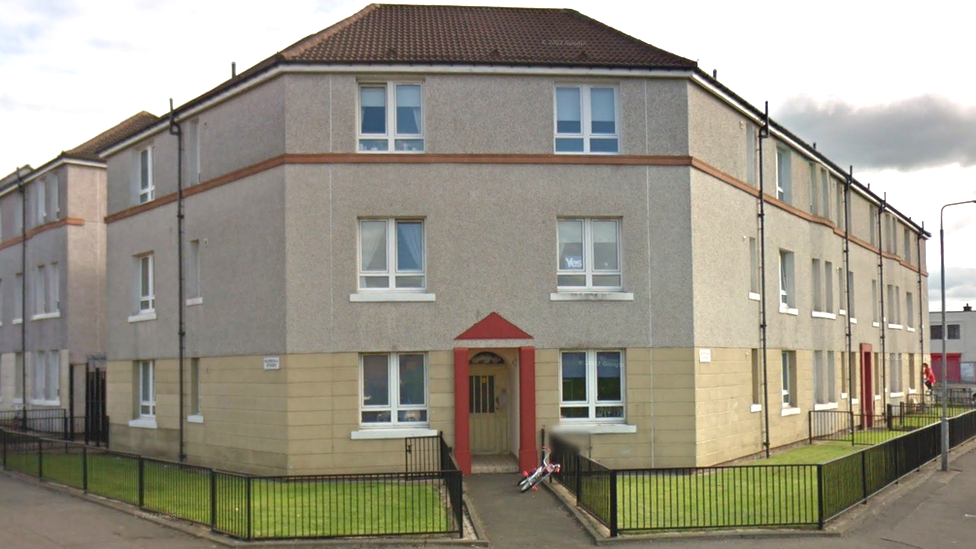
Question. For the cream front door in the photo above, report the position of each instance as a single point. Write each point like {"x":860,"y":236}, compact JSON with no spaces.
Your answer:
{"x":488,"y":405}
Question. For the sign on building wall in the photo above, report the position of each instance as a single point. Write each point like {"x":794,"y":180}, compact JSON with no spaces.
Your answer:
{"x":272,"y":363}
{"x":704,"y":355}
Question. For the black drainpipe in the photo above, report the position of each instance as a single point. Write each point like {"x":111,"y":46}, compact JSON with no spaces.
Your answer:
{"x":763,"y":134}
{"x":175,"y":129}
{"x":847,"y":284}
{"x":23,"y":295}
{"x":881,"y":297}
{"x":921,"y":312}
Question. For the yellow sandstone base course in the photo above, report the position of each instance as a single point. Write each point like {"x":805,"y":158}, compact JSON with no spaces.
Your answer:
{"x":299,"y":419}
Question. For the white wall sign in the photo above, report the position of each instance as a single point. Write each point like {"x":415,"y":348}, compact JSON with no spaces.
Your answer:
{"x":704,"y":355}
{"x":272,"y":363}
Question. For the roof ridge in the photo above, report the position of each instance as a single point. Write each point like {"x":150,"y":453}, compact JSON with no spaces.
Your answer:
{"x":304,"y":44}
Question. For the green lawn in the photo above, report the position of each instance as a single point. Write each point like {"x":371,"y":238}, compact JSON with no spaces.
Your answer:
{"x":283,"y":508}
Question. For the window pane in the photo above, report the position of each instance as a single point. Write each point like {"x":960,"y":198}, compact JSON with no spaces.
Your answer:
{"x":608,"y":378}
{"x":408,"y":109}
{"x":374,"y":282}
{"x":373,"y":245}
{"x":568,"y":111}
{"x":574,"y":413}
{"x":602,"y":110}
{"x":605,"y":245}
{"x":145,"y":380}
{"x":414,"y":145}
{"x":569,"y":145}
{"x":572,"y":280}
{"x":609,"y":411}
{"x":373,"y":104}
{"x":410,"y":246}
{"x":408,"y":416}
{"x":574,"y":377}
{"x":409,"y":282}
{"x":144,"y":267}
{"x":606,"y":280}
{"x":376,"y":417}
{"x":373,"y":145}
{"x":412,"y":380}
{"x":144,"y":169}
{"x":570,"y":245}
{"x":376,"y":380}
{"x":603,"y":145}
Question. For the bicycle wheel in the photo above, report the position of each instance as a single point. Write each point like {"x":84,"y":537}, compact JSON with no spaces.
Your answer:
{"x":530,"y":481}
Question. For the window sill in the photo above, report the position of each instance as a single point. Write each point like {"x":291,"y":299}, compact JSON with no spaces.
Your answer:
{"x":789,"y":311}
{"x":843,"y":396}
{"x":842,"y":312}
{"x":790,"y":412}
{"x":391,"y":297}
{"x":875,"y":325}
{"x":17,"y":321}
{"x":46,"y":402}
{"x":377,"y":434}
{"x":195,"y":418}
{"x":754,"y":296}
{"x":194,"y":301}
{"x":828,"y":406}
{"x":895,"y":326}
{"x":45,"y":316}
{"x":143,"y":317}
{"x":755,"y":408}
{"x":820,"y":314}
{"x":853,"y":321}
{"x":595,"y":428}
{"x":877,"y":397}
{"x":910,"y":329}
{"x":912,"y":391}
{"x":896,"y":395}
{"x":143,"y":423}
{"x":591,"y":296}
{"x":855,"y":401}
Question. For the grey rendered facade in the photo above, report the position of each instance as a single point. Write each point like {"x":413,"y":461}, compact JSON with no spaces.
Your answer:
{"x":276,"y":193}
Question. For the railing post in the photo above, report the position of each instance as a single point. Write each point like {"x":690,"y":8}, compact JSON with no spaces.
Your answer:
{"x":84,"y":468}
{"x":820,"y":497}
{"x":614,"y":527}
{"x":40,"y":458}
{"x":810,"y":425}
{"x":579,"y":477}
{"x":853,"y":427}
{"x":141,"y":483}
{"x":213,"y":500}
{"x":247,"y":499}
{"x":864,"y":477}
{"x":3,"y":435}
{"x":459,"y":498}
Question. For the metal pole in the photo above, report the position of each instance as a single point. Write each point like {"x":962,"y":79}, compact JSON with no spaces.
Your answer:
{"x":177,"y":130}
{"x":847,"y":285}
{"x":881,"y":298}
{"x":945,"y":365}
{"x":763,"y":134}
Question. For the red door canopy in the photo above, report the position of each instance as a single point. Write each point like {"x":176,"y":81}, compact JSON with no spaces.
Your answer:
{"x":494,"y":326}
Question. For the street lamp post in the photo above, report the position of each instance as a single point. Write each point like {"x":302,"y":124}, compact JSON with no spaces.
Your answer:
{"x":945,"y":366}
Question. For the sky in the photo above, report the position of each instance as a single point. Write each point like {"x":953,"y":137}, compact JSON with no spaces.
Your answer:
{"x":884,"y":89}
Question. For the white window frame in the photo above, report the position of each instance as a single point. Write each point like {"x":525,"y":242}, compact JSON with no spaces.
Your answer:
{"x":54,"y":209}
{"x":592,"y":403}
{"x":588,"y":262}
{"x":54,"y":287}
{"x":586,"y":121}
{"x":148,"y":404}
{"x":754,"y":274}
{"x":18,"y":298}
{"x":196,"y":411}
{"x":145,"y":193}
{"x":788,"y":378}
{"x":393,"y":397}
{"x":145,"y":294}
{"x":40,"y":197}
{"x":194,"y":294}
{"x":38,"y":375}
{"x":828,"y":293}
{"x":787,"y":282}
{"x":784,"y":177}
{"x":392,"y":268}
{"x":52,"y":375}
{"x":40,"y":290}
{"x":392,"y":134}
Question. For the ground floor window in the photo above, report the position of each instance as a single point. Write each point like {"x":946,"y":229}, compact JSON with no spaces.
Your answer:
{"x":147,"y":388}
{"x":592,"y":385}
{"x":394,"y":389}
{"x":46,"y":378}
{"x":789,"y":379}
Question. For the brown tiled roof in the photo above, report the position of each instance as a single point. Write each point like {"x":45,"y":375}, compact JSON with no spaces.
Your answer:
{"x":397,"y":34}
{"x":130,"y":126}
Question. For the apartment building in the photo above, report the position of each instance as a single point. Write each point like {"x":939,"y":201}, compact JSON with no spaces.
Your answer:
{"x":52,"y":275}
{"x":485,"y":222}
{"x":960,"y":344}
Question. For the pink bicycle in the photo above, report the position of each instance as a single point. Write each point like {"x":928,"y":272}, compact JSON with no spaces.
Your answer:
{"x":532,"y":480}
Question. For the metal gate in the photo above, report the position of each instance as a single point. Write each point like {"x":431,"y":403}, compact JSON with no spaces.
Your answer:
{"x":96,"y":417}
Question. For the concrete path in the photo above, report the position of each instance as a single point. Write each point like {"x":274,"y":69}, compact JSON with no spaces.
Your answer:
{"x":35,"y":517}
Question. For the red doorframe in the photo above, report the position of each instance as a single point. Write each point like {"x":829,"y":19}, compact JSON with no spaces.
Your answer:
{"x":867,"y":385}
{"x":495,"y":327}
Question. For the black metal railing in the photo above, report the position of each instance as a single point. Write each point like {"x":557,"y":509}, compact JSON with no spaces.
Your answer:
{"x":755,"y":495}
{"x":256,"y":507}
{"x":56,"y":423}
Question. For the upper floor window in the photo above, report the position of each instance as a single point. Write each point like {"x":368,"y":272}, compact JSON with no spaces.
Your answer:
{"x":147,"y":389}
{"x":382,"y":129}
{"x":589,"y":254}
{"x":145,"y":284}
{"x":592,"y":385}
{"x":908,"y":245}
{"x":391,"y":254}
{"x":784,"y":181}
{"x":144,"y":176}
{"x":40,"y":200}
{"x":394,"y":389}
{"x":787,"y":295}
{"x":586,"y":119}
